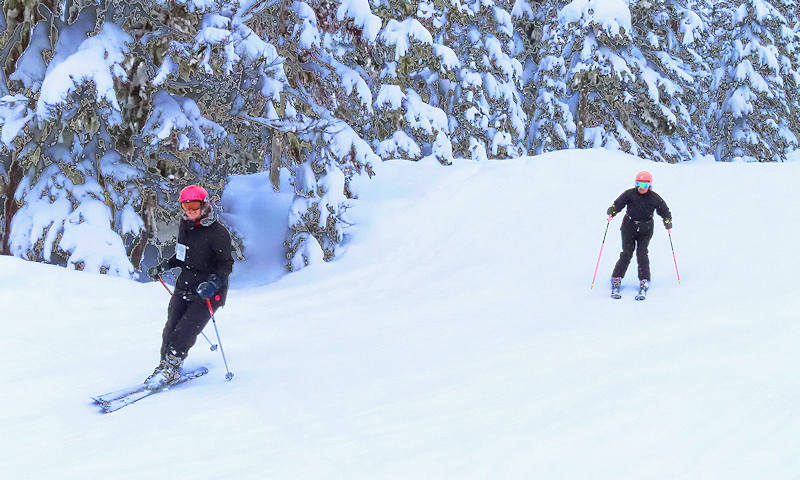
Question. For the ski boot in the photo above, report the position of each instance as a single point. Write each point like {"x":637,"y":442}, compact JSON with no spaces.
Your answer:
{"x":165,"y":373}
{"x":643,"y":286}
{"x":616,"y":285}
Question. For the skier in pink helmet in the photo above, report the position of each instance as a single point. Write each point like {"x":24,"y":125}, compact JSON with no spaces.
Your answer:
{"x":203,"y":253}
{"x":637,"y":229}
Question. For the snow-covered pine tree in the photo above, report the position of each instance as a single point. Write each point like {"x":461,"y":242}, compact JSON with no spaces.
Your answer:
{"x":66,"y":201}
{"x":665,"y":59}
{"x":327,"y":108}
{"x":757,"y":70}
{"x":539,"y":46}
{"x":175,"y":93}
{"x":552,"y":126}
{"x":699,"y":51}
{"x":628,"y":84}
{"x":409,"y":122}
{"x":792,"y":51}
{"x":485,"y":110}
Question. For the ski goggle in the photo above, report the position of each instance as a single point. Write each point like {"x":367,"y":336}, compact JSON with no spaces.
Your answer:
{"x":193,"y":205}
{"x":642,"y":184}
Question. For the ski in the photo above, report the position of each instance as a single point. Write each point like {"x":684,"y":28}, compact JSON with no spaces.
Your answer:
{"x":117,"y":394}
{"x":615,"y":294}
{"x":113,"y":401}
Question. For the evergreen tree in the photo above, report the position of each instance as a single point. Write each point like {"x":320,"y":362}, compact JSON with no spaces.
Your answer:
{"x":699,"y":51}
{"x":629,"y":84}
{"x":139,"y":98}
{"x":410,"y":123}
{"x":56,"y":129}
{"x":552,"y":127}
{"x":757,"y":71}
{"x":666,"y":61}
{"x":329,"y":107}
{"x":485,"y":108}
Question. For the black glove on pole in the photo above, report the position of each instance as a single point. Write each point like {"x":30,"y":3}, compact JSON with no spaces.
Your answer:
{"x":209,"y":288}
{"x":155,"y":271}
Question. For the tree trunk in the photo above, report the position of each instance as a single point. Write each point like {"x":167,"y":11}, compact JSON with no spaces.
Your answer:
{"x":10,"y":206}
{"x":275,"y":160}
{"x":580,"y":114}
{"x":149,"y":204}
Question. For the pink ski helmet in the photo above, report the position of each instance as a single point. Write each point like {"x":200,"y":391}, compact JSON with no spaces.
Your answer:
{"x":194,"y":193}
{"x":643,"y":182}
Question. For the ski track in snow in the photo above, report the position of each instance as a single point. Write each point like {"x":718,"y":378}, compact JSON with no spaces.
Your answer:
{"x":457,"y":338}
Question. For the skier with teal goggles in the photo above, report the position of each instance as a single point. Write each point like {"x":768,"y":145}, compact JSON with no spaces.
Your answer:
{"x":637,"y":229}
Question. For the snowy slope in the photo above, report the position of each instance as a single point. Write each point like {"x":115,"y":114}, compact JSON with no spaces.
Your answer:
{"x":457,"y":338}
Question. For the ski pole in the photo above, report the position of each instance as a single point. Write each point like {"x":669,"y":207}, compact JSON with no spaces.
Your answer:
{"x":228,"y":373}
{"x":213,"y":347}
{"x":669,"y":232}
{"x":601,"y":251}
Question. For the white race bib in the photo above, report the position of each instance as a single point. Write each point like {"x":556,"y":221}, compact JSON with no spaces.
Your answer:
{"x":180,"y":251}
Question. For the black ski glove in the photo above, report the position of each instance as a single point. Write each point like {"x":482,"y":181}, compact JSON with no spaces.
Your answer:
{"x":612,"y":210}
{"x":668,"y":223}
{"x":210,"y":287}
{"x":155,"y":271}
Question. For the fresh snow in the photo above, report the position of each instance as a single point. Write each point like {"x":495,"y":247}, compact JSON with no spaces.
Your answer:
{"x":457,"y":338}
{"x":30,"y":68}
{"x":96,"y":61}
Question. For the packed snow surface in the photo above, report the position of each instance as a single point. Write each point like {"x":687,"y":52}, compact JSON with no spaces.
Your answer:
{"x":457,"y":338}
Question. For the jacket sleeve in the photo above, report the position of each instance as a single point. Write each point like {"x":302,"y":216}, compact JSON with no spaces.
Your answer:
{"x":620,"y":202}
{"x":662,"y":209}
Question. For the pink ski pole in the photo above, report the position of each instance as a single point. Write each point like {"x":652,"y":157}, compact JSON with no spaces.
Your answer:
{"x":673,"y":256}
{"x":601,"y":252}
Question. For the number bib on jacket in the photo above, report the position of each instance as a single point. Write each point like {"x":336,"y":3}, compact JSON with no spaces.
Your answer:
{"x":180,"y":251}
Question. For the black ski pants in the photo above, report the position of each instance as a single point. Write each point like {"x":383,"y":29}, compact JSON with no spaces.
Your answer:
{"x":187,"y":316}
{"x":635,"y":235}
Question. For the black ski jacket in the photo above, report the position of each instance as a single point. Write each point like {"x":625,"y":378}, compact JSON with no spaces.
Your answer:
{"x":641,"y":206}
{"x":203,"y":248}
